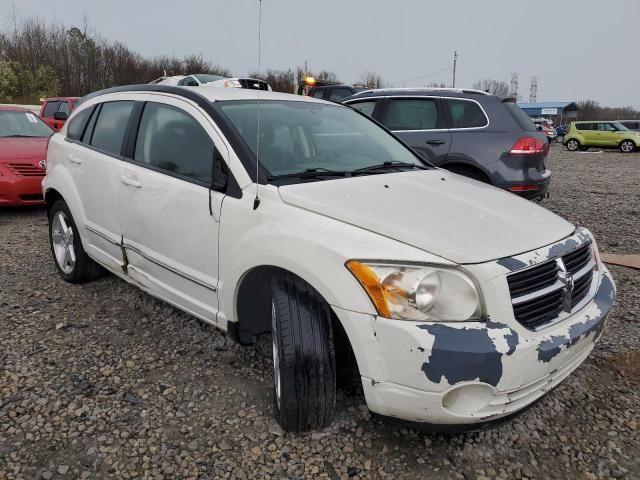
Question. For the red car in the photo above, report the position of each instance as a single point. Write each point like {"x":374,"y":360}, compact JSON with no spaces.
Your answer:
{"x":56,"y":110}
{"x":23,"y":152}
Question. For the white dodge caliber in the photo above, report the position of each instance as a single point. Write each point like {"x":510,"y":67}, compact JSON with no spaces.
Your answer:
{"x":306,"y":220}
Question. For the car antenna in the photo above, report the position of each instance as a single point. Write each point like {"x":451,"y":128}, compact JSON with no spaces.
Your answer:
{"x":256,"y":201}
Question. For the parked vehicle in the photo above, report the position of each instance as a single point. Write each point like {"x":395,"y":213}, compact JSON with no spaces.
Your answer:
{"x":56,"y":110}
{"x":23,"y":150}
{"x":199,"y":79}
{"x":630,"y":124}
{"x":548,"y":132}
{"x":334,"y":93}
{"x":467,"y":132}
{"x":583,"y":135}
{"x":462,"y":304}
{"x":562,"y":130}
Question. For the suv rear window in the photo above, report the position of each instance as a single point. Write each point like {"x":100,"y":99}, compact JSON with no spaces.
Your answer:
{"x":111,"y":125}
{"x":521,"y":117}
{"x":465,"y":114}
{"x":50,"y":108}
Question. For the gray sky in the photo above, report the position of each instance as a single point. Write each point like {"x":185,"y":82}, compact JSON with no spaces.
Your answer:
{"x":577,"y":49}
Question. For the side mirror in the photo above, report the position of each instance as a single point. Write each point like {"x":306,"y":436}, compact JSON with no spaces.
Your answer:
{"x":61,"y":116}
{"x":539,"y":127}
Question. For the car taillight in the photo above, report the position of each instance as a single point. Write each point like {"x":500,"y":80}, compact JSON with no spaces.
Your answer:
{"x":529,"y":146}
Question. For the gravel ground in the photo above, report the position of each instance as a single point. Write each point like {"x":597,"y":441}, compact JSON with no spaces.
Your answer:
{"x":103,"y":381}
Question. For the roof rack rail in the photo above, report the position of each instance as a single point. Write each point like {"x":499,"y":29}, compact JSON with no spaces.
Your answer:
{"x":425,"y":89}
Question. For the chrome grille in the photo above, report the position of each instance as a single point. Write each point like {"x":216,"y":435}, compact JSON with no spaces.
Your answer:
{"x":27,"y":170}
{"x":544,"y":292}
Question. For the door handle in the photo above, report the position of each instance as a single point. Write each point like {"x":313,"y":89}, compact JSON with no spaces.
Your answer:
{"x":130,"y":181}
{"x":73,"y":159}
{"x":436,"y":142}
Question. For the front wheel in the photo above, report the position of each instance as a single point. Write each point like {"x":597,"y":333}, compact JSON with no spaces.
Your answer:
{"x":304,"y":370}
{"x":627,"y":146}
{"x":573,"y":145}
{"x":72,"y":262}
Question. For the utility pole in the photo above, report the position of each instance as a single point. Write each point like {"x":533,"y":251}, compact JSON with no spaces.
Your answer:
{"x":514,"y":85}
{"x":533,"y":92}
{"x":455,"y":61}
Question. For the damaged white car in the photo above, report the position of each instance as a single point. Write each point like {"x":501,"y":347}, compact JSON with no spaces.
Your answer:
{"x":462,"y":304}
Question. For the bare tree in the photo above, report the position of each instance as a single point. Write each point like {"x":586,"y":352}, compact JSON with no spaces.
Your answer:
{"x":494,"y":87}
{"x":370,"y":80}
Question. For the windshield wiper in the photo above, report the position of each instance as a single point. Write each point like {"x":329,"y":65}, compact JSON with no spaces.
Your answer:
{"x":312,"y":173}
{"x":398,"y":166}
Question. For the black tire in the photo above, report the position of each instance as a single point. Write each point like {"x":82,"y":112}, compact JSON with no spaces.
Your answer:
{"x":304,"y":356}
{"x":84,"y":268}
{"x":573,"y":145}
{"x":627,"y":146}
{"x":469,"y":172}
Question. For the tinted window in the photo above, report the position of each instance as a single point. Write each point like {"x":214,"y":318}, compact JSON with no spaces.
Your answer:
{"x":172,"y":140}
{"x":365,"y":107}
{"x":584,"y":126}
{"x":77,"y":123}
{"x":606,"y":127}
{"x":411,"y":114}
{"x":88,"y":132}
{"x":317,"y":93}
{"x":465,"y":114}
{"x":64,"y":107}
{"x":111,"y":125}
{"x":50,"y":108}
{"x":338,"y":94}
{"x":520,"y":117}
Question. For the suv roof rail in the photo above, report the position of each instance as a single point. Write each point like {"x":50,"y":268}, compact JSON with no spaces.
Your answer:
{"x":425,"y":89}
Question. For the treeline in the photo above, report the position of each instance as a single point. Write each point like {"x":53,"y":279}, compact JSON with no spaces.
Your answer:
{"x":39,"y":59}
{"x":590,"y":110}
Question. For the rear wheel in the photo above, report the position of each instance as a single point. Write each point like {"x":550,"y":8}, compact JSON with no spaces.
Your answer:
{"x":627,"y":146}
{"x":573,"y":145}
{"x":304,"y":370}
{"x":72,"y":262}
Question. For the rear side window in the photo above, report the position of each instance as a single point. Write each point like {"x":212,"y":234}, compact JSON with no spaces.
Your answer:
{"x":173,"y":141}
{"x":77,"y":123}
{"x":606,"y":127}
{"x":521,"y":117}
{"x":365,"y":107}
{"x":50,"y":108}
{"x":411,"y":114}
{"x":465,"y":114}
{"x":64,"y":107}
{"x":585,"y":126}
{"x":338,"y":94}
{"x":111,"y":125}
{"x":317,"y":93}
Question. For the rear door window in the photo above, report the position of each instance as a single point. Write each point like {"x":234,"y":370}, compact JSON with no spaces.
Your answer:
{"x":520,"y":116}
{"x":110,"y":126}
{"x":584,"y":126}
{"x":317,"y":93}
{"x":411,"y":114}
{"x":171,"y":140}
{"x":50,"y":108}
{"x":465,"y":114}
{"x":77,"y":124}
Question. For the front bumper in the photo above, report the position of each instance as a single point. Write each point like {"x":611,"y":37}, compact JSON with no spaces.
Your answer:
{"x":16,"y":190}
{"x":468,"y":374}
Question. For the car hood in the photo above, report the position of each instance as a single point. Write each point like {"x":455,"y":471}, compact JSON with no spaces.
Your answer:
{"x":12,"y":149}
{"x":448,"y":215}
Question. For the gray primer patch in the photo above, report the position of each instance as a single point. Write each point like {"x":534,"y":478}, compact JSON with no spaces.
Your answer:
{"x":568,"y":245}
{"x":466,"y":354}
{"x":511,"y":264}
{"x":604,"y":298}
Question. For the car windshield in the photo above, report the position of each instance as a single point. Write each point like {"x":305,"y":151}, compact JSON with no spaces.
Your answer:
{"x":206,"y":77}
{"x":22,"y":124}
{"x":300,"y":137}
{"x":619,"y":126}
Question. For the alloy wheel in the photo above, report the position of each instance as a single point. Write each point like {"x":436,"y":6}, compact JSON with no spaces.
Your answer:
{"x":62,"y":240}
{"x":627,"y":146}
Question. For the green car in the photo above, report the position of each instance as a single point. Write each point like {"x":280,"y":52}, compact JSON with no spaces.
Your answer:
{"x":582,"y":135}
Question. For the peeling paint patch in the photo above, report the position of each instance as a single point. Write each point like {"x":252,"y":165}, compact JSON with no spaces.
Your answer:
{"x":512,"y":337}
{"x":511,"y":264}
{"x":550,"y":348}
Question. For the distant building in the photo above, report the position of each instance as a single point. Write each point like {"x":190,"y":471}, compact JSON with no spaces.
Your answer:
{"x":559,"y":112}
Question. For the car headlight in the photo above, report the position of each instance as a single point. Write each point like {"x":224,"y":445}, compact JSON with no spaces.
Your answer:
{"x":419,"y":293}
{"x":232,"y":83}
